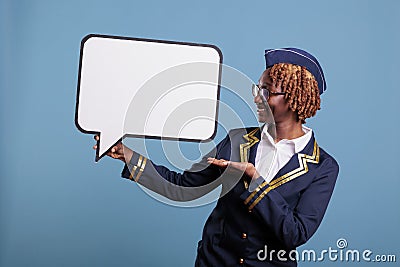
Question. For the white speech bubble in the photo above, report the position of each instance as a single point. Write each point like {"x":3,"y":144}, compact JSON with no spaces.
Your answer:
{"x":113,"y":69}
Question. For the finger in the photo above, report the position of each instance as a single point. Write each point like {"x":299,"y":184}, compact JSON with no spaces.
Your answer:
{"x":223,"y":161}
{"x":114,"y":149}
{"x":218,"y":162}
{"x":112,"y":155}
{"x":96,"y":137}
{"x":210,"y":160}
{"x":95,"y":147}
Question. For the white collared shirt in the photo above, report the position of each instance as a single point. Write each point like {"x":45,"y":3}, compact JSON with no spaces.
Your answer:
{"x":278,"y":153}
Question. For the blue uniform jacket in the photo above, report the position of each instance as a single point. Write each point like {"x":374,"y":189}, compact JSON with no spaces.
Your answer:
{"x":280,"y":215}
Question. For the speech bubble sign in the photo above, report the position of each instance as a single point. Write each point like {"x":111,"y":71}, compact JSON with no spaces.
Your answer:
{"x":113,"y":69}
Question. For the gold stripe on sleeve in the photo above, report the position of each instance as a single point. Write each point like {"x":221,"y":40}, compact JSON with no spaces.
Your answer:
{"x":141,"y":169}
{"x":135,"y":167}
{"x":255,"y":192}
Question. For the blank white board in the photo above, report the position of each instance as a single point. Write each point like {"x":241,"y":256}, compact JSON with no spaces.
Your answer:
{"x":147,"y":88}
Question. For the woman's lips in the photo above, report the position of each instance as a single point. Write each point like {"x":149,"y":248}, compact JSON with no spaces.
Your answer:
{"x":260,"y":108}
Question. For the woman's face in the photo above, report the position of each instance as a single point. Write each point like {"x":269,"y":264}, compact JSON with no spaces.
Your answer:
{"x":277,"y":103}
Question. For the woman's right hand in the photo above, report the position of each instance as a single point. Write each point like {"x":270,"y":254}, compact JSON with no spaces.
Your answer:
{"x":119,"y":151}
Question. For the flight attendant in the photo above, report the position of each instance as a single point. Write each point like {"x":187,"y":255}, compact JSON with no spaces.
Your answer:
{"x":273,"y":208}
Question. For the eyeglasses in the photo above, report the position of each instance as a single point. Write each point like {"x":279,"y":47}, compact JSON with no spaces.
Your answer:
{"x":263,"y":92}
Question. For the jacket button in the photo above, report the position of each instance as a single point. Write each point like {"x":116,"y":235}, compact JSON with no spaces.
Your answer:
{"x":241,"y":261}
{"x":244,"y":235}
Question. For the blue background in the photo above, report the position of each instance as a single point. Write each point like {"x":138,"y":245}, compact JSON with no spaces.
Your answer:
{"x":59,"y":208}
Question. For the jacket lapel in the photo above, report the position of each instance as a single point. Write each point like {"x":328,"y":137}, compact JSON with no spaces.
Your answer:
{"x":298,"y":164}
{"x":248,"y":148}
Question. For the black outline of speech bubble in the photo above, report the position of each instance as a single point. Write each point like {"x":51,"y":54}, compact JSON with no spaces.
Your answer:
{"x":87,"y":37}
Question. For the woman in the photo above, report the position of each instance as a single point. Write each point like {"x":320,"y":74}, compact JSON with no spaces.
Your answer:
{"x":275,"y":207}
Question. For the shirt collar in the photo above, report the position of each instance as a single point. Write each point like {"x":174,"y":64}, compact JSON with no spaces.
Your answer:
{"x":299,"y":142}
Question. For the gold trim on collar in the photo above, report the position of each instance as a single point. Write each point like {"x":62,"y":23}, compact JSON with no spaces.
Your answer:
{"x":302,"y":169}
{"x":244,"y":148}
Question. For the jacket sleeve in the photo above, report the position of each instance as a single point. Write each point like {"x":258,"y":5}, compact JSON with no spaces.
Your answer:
{"x":191,"y":184}
{"x":294,"y":227}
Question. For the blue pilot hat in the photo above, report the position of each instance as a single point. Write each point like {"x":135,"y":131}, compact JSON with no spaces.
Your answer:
{"x":297,"y":57}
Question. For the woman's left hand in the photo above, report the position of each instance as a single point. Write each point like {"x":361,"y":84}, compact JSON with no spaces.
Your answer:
{"x":245,"y":167}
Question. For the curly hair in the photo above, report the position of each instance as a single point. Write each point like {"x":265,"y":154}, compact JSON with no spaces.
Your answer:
{"x":300,"y":87}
